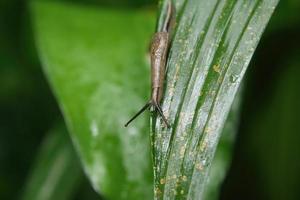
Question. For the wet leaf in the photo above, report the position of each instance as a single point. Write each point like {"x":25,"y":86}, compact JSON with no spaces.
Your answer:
{"x":95,"y":60}
{"x":223,"y":156}
{"x":211,"y":48}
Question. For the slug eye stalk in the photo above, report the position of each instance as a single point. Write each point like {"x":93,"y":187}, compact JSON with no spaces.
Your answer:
{"x":138,"y":113}
{"x":146,"y":106}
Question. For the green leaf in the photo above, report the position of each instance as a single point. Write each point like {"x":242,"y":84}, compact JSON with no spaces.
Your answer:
{"x":212,"y":46}
{"x":56,"y":171}
{"x":223,"y":155}
{"x":95,"y":60}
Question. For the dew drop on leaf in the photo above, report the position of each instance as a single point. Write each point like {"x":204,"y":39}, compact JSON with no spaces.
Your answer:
{"x":233,"y":78}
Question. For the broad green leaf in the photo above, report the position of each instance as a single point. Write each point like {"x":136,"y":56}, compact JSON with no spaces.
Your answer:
{"x":96,"y":62}
{"x":56,"y":171}
{"x":211,"y":48}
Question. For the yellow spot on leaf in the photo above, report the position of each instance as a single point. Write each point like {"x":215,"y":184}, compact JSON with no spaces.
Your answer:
{"x":157,"y":192}
{"x":203,"y":146}
{"x":182,"y":150}
{"x":162,"y":181}
{"x":217,"y":68}
{"x":199,"y":167}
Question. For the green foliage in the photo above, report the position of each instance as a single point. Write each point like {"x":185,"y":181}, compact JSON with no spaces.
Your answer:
{"x":95,"y":60}
{"x":56,"y":173}
{"x":223,"y":155}
{"x":211,"y":49}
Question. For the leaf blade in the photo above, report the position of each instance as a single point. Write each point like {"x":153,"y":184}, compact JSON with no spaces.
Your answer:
{"x":212,"y":47}
{"x":93,"y":59}
{"x":56,"y":171}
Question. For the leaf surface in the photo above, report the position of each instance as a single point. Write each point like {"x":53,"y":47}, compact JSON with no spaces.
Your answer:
{"x":211,"y":48}
{"x":96,"y":62}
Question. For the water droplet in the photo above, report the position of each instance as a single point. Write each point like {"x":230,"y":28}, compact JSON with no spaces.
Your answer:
{"x":233,"y":78}
{"x":204,"y":162}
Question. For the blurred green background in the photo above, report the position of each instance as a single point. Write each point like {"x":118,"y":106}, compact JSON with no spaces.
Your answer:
{"x":266,"y":161}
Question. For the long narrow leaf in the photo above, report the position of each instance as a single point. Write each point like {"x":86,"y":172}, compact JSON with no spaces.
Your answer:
{"x":56,"y":172}
{"x":212,"y":46}
{"x":223,"y":155}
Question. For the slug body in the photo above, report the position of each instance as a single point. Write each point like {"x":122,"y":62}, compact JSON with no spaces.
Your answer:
{"x":159,"y":49}
{"x":158,"y":53}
